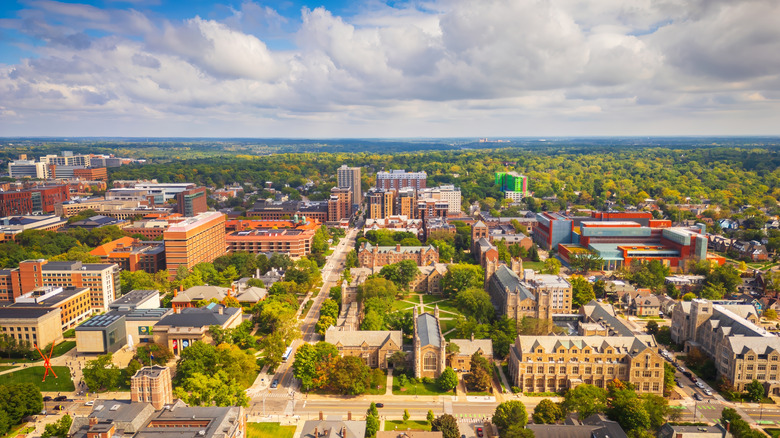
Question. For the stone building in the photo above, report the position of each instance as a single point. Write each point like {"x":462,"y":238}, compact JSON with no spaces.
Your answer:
{"x":559,"y":363}
{"x":373,"y":346}
{"x":461,"y":361}
{"x":428,"y":279}
{"x":152,"y":385}
{"x":370,"y":256}
{"x":535,"y":295}
{"x":429,"y":345}
{"x":742,"y":350}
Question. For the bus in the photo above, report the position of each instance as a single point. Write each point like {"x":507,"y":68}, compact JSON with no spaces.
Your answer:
{"x":286,"y":354}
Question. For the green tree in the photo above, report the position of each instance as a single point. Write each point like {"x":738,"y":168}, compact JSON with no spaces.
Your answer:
{"x":448,"y":380}
{"x":754,"y":391}
{"x":447,"y":425}
{"x":401,"y":273}
{"x":547,"y":412}
{"x":323,"y":323}
{"x":157,"y":354}
{"x":430,"y":417}
{"x":475,"y":302}
{"x":350,"y":376}
{"x":669,"y":371}
{"x":307,"y":358}
{"x":372,"y":425}
{"x":480,"y":375}
{"x":552,"y":266}
{"x":461,"y":276}
{"x":714,"y":291}
{"x":372,"y":410}
{"x":651,"y":328}
{"x":627,"y":410}
{"x":213,"y":389}
{"x":689,"y":296}
{"x":406,"y":415}
{"x":581,"y":291}
{"x":101,"y":374}
{"x":508,"y":414}
{"x":330,"y":308}
{"x":59,"y":428}
{"x":585,"y":400}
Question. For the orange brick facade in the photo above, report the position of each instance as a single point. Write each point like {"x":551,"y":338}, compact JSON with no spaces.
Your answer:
{"x":200,"y":239}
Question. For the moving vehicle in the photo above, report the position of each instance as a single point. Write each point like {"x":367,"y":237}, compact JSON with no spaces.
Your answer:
{"x":286,"y":354}
{"x":275,"y":383}
{"x":47,"y":398}
{"x":708,"y":392}
{"x":679,"y":385}
{"x":700,"y":385}
{"x":479,"y":432}
{"x":61,"y":398}
{"x":697,"y":396}
{"x":379,"y":405}
{"x":89,"y":403}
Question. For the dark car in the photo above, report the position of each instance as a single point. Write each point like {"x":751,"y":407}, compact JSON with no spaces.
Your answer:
{"x":47,"y":398}
{"x":697,"y":396}
{"x":58,"y":408}
{"x":680,"y":385}
{"x":479,"y":432}
{"x":61,"y":398}
{"x":380,"y":405}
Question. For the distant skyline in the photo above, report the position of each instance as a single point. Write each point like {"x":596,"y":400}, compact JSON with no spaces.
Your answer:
{"x":371,"y":69}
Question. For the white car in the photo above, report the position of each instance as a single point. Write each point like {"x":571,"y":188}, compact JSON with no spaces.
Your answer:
{"x":699,"y":384}
{"x":89,"y":403}
{"x":708,"y":392}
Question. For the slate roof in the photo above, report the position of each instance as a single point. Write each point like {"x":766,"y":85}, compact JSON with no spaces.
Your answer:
{"x":133,"y":298}
{"x":428,"y":330}
{"x":14,"y":312}
{"x":403,"y":249}
{"x":620,"y":344}
{"x":595,"y":426}
{"x":468,"y":347}
{"x":509,"y":280}
{"x":197,"y":293}
{"x":374,"y":338}
{"x":252,"y":295}
{"x":333,"y":429}
{"x":199,"y":317}
{"x":604,"y":314}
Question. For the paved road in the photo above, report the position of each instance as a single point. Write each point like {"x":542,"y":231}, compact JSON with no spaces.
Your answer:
{"x":331,"y":272}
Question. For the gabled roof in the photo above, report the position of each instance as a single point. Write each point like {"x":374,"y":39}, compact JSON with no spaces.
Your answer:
{"x":507,"y":279}
{"x":199,"y":317}
{"x":468,"y":347}
{"x":372,"y":338}
{"x":428,"y":330}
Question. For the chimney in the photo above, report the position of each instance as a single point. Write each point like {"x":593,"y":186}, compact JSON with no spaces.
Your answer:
{"x":316,"y":431}
{"x":343,"y":431}
{"x":349,"y":416}
{"x":398,"y":247}
{"x":472,"y":336}
{"x":320,"y":415}
{"x":221,"y":310}
{"x":93,"y":421}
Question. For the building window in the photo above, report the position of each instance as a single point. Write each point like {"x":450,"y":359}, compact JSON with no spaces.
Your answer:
{"x":529,"y":369}
{"x":429,"y":362}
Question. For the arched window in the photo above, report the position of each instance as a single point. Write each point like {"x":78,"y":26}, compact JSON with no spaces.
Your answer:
{"x":429,"y":362}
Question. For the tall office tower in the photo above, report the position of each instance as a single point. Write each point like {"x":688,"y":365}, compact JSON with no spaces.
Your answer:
{"x":350,"y":177}
{"x":198,"y":239}
{"x":398,"y":179}
{"x":339,"y":204}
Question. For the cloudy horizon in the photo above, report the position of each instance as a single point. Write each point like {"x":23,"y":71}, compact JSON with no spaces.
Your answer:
{"x":450,"y":68}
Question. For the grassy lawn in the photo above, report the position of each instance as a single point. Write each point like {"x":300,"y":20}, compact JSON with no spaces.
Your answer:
{"x":21,"y":429}
{"x":418,"y":389}
{"x":269,"y":430}
{"x":404,"y":425}
{"x":63,"y":347}
{"x":536,"y":266}
{"x":427,"y":298}
{"x":35,"y":375}
{"x":774,"y":433}
{"x":69,"y":333}
{"x":399,"y":305}
{"x":4,"y":368}
{"x":446,"y":326}
{"x":480,"y":393}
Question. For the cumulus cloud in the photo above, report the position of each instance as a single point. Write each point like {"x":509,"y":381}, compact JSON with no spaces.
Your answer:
{"x":454,"y":67}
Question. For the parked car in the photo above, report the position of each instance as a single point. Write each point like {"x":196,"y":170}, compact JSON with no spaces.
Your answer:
{"x":680,"y":385}
{"x":708,"y":392}
{"x":700,"y":385}
{"x":480,"y":433}
{"x":47,"y":398}
{"x":697,"y":396}
{"x":681,"y":369}
{"x":58,"y":408}
{"x":89,"y":403}
{"x":61,"y":398}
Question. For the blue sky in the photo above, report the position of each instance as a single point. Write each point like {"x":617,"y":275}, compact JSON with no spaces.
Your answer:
{"x":372,"y":68}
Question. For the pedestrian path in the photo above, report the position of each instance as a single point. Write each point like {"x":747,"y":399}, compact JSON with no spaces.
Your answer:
{"x":389,"y":382}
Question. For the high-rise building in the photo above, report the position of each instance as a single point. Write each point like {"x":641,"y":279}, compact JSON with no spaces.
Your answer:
{"x":350,"y":177}
{"x":448,"y":193}
{"x":198,"y":239}
{"x":67,"y":159}
{"x":28,"y":169}
{"x":406,"y":204}
{"x":380,"y":203}
{"x":36,"y":200}
{"x":512,"y":182}
{"x":398,"y":179}
{"x":191,"y":202}
{"x":340,"y":204}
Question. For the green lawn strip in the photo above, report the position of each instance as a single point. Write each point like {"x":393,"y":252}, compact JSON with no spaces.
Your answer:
{"x":62,"y":383}
{"x":446,"y":326}
{"x":446,"y":305}
{"x":774,"y":433}
{"x":6,"y":368}
{"x":69,"y":333}
{"x":418,"y":389}
{"x":22,"y":429}
{"x":63,"y":347}
{"x":478,"y":393}
{"x":427,"y":298}
{"x":536,"y":266}
{"x":402,"y":305}
{"x":409,"y":424}
{"x":269,"y":430}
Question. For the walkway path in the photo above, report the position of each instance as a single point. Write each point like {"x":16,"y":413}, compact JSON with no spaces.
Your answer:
{"x":503,"y":377}
{"x":389,"y":383}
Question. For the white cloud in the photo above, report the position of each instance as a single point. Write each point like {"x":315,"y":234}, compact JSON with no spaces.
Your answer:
{"x":454,"y":67}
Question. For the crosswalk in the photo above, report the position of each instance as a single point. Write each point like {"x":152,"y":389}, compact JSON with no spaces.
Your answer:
{"x":471,"y":418}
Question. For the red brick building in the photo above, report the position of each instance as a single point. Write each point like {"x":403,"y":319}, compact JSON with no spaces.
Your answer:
{"x":34,"y":200}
